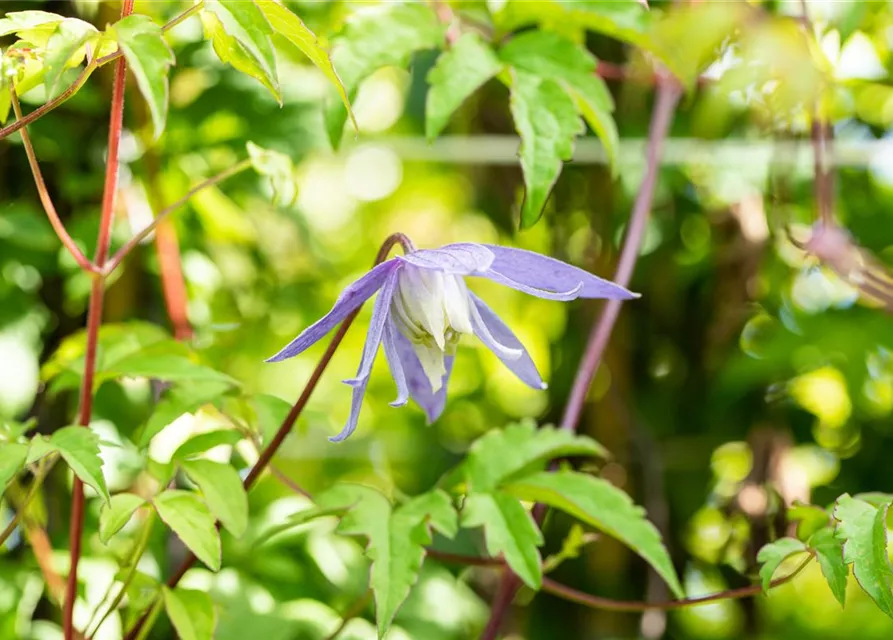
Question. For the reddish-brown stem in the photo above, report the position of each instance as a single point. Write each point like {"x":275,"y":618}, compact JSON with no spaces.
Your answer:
{"x":266,"y":456}
{"x":668,"y":94}
{"x":47,"y":202}
{"x":824,"y":178}
{"x":94,"y":319}
{"x":173,"y":284}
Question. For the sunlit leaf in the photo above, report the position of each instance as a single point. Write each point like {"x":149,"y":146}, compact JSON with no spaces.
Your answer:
{"x":149,"y":59}
{"x":509,"y":531}
{"x":810,"y":518}
{"x":298,"y":519}
{"x":113,"y":516}
{"x":247,"y":24}
{"x":12,"y":460}
{"x":190,"y":519}
{"x":185,"y":397}
{"x":64,"y":49}
{"x":460,"y":71}
{"x":223,"y":492}
{"x":773,"y":554}
{"x":79,"y":447}
{"x":279,"y":168}
{"x":191,"y":612}
{"x":829,"y":552}
{"x":18,"y":21}
{"x":204,"y":441}
{"x":603,"y":506}
{"x":862,"y":528}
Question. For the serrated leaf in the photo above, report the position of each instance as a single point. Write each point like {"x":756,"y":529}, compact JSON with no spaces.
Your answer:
{"x":190,"y":519}
{"x":191,"y":612}
{"x":171,"y":368}
{"x":247,"y":24}
{"x":183,"y":398}
{"x":65,"y":48}
{"x":204,"y":441}
{"x":501,"y":453}
{"x":79,"y":447}
{"x":435,"y":507}
{"x":603,"y":506}
{"x":829,"y":553}
{"x":381,"y":36}
{"x":149,"y":59}
{"x":12,"y":460}
{"x":549,"y":55}
{"x":223,"y":492}
{"x":230,"y":52}
{"x":546,"y":118}
{"x":509,"y":531}
{"x":397,"y":539}
{"x":862,"y":528}
{"x":113,"y":516}
{"x":459,"y":72}
{"x":18,"y":21}
{"x":293,"y":29}
{"x":773,"y":554}
{"x":279,"y":168}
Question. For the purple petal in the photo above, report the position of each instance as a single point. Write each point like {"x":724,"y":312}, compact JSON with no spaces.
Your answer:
{"x":396,"y":366}
{"x":488,"y":326}
{"x":356,"y":401}
{"x":376,"y":330}
{"x":462,"y":258}
{"x":419,"y":387}
{"x":352,"y":297}
{"x":547,"y":277}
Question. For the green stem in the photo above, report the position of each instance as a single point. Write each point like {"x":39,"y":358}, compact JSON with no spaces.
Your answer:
{"x":150,"y":618}
{"x":42,"y":470}
{"x":135,"y":555}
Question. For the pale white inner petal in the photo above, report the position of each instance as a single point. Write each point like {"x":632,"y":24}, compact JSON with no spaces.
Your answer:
{"x":431,"y":359}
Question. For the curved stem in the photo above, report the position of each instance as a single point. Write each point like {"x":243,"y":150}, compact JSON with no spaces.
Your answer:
{"x":47,"y":202}
{"x":43,"y":469}
{"x":94,"y":319}
{"x":131,"y":244}
{"x":266,"y":456}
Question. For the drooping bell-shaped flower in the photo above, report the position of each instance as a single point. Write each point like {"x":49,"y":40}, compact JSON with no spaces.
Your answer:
{"x":424,"y":306}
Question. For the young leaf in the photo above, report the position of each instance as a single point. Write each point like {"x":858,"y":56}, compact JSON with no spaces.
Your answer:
{"x":571,"y":547}
{"x":191,"y":612}
{"x":65,"y":48}
{"x":247,"y":24}
{"x":829,"y":553}
{"x":230,"y":52}
{"x":810,"y":517}
{"x":19,"y":21}
{"x":509,"y":531}
{"x":773,"y":554}
{"x":546,"y":119}
{"x":12,"y":460}
{"x":222,"y":490}
{"x":460,"y":71}
{"x":79,"y":447}
{"x":387,"y":35}
{"x":502,"y":453}
{"x":149,"y":58}
{"x":117,"y":513}
{"x":548,"y":55}
{"x":204,"y":441}
{"x":290,"y":27}
{"x":862,"y":529}
{"x":183,"y":398}
{"x":603,"y":506}
{"x":436,"y":508}
{"x":397,"y":539}
{"x":279,"y":168}
{"x":189,"y":518}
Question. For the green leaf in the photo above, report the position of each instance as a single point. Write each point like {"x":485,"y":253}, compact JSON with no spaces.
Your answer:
{"x":204,"y":441}
{"x":79,"y":447}
{"x":149,"y":59}
{"x":117,"y":513}
{"x":270,"y":413}
{"x":223,"y":492}
{"x":292,"y":29}
{"x":550,"y":56}
{"x":191,"y":612}
{"x":546,"y":119}
{"x":247,"y":24}
{"x":279,"y":168}
{"x":397,"y":539}
{"x":183,"y":398}
{"x":603,"y":506}
{"x":18,"y":21}
{"x":171,"y":368}
{"x":773,"y":554}
{"x":573,"y":544}
{"x":509,"y":531}
{"x":501,"y":453}
{"x":862,"y":529}
{"x":230,"y":52}
{"x":829,"y":552}
{"x":5,"y":102}
{"x":810,"y":517}
{"x":189,"y":518}
{"x":64,"y":49}
{"x":40,"y":446}
{"x":12,"y":460}
{"x":386,"y":35}
{"x":626,"y":20}
{"x":296,"y":520}
{"x":460,"y":71}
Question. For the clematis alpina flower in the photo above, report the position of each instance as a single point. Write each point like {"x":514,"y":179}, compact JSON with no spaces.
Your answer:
{"x":424,"y":306}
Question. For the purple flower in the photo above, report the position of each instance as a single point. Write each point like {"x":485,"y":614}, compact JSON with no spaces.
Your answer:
{"x":424,"y":306}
